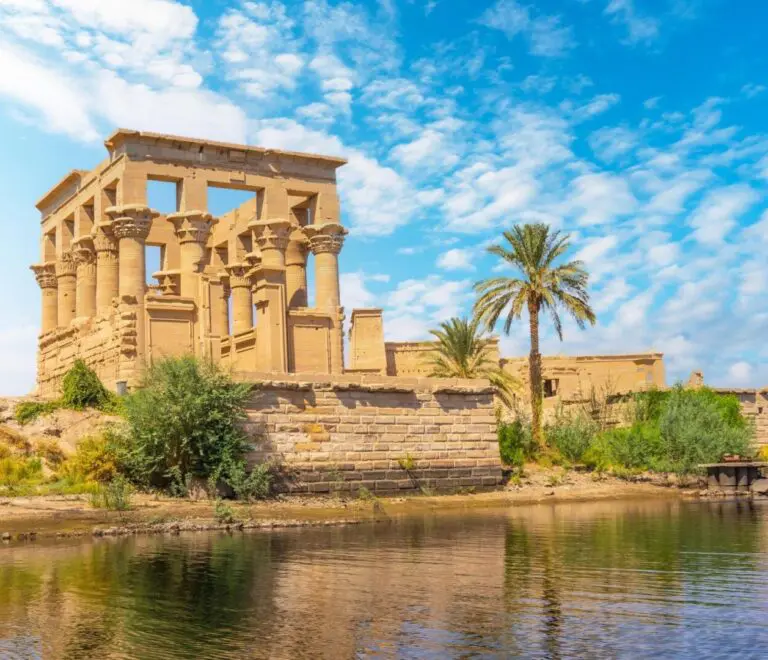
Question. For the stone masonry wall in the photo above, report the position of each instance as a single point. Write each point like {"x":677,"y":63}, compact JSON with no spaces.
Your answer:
{"x":754,"y":406}
{"x":385,"y":434}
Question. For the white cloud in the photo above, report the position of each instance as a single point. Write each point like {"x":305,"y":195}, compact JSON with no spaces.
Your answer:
{"x":740,"y":372}
{"x":640,"y":29}
{"x":456,"y":259}
{"x":750,"y":90}
{"x":547,"y":36}
{"x":600,"y":198}
{"x":609,"y":143}
{"x":718,"y":212}
{"x":354,"y":293}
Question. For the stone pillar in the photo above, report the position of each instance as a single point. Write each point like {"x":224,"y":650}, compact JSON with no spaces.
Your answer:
{"x":45,"y":274}
{"x":130,"y":226}
{"x":326,"y":241}
{"x":107,"y":273}
{"x":269,"y":294}
{"x":66,"y":274}
{"x":296,"y":270}
{"x":85,"y":258}
{"x":222,"y":305}
{"x":192,"y":230}
{"x":242,"y":301}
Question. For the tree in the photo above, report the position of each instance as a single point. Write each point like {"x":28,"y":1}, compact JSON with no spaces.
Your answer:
{"x":541,"y":285}
{"x":461,"y":352}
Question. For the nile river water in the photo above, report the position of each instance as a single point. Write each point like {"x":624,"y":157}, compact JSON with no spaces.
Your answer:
{"x":588,"y":580}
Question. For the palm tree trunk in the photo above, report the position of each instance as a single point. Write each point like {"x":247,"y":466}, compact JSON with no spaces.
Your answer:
{"x":534,"y":367}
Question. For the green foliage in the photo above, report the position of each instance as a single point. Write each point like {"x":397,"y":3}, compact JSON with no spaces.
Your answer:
{"x":115,"y":495}
{"x":570,"y":435}
{"x":50,"y":451}
{"x":461,"y":352}
{"x":516,"y":444}
{"x":81,"y":388}
{"x":29,"y":411}
{"x":253,"y":485}
{"x":406,"y":462}
{"x":185,"y":419}
{"x":95,"y":461}
{"x":15,"y":471}
{"x":223,"y":512}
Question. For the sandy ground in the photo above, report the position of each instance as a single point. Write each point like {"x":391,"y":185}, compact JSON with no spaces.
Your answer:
{"x":73,"y":515}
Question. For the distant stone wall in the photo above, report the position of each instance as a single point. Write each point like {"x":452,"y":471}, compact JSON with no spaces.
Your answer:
{"x":385,"y":434}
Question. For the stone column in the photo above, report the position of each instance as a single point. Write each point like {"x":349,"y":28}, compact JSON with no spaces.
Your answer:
{"x":107,"y":273}
{"x":242,"y":301}
{"x":85,"y":258}
{"x":222,"y":305}
{"x":130,"y":226}
{"x":325,"y":241}
{"x":269,"y":294}
{"x":66,"y":274}
{"x":192,"y":230}
{"x":45,"y":274}
{"x":296,"y":270}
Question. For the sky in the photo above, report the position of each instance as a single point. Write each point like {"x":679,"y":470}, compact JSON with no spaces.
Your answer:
{"x":638,"y":127}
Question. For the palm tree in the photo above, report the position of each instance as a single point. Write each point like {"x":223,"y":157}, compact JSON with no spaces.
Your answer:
{"x":541,"y":286}
{"x":461,"y":352}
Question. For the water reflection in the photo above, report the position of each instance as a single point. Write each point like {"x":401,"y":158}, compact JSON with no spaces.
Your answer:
{"x":632,"y":579}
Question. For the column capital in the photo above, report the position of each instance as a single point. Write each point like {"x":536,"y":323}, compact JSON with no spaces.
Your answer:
{"x":45,"y":274}
{"x":83,"y":251}
{"x":131,"y":220}
{"x":103,"y":238}
{"x":271,"y":234}
{"x":66,"y":265}
{"x":192,"y":226}
{"x":224,"y":279}
{"x":328,"y":237}
{"x":238,"y":275}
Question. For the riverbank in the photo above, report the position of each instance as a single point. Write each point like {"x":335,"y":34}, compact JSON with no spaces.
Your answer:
{"x":25,"y":518}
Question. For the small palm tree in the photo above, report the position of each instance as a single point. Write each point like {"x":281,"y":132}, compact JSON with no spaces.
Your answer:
{"x":461,"y":352}
{"x":541,"y":286}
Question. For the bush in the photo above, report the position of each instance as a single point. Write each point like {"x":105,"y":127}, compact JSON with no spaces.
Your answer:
{"x":115,"y":495}
{"x":95,"y":460}
{"x":29,"y":411}
{"x":571,"y":435}
{"x":516,"y":444}
{"x":185,"y":419}
{"x":223,"y":512}
{"x":81,"y":388}
{"x":16,"y":471}
{"x":253,"y":485}
{"x":50,"y":451}
{"x":700,"y":426}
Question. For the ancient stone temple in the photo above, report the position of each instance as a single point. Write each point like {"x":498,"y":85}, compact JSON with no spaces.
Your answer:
{"x":231,"y":288}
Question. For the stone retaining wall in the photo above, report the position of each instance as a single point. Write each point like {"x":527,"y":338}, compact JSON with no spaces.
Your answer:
{"x":369,"y":431}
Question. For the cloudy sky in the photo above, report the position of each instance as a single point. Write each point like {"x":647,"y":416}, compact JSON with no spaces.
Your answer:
{"x":636,"y":126}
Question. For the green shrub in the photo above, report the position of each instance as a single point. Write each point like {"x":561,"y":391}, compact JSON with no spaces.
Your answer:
{"x":185,"y":419}
{"x":29,"y":411}
{"x":571,"y":435}
{"x":95,"y":460}
{"x":223,"y":512}
{"x":16,"y":471}
{"x":81,"y":388}
{"x":700,"y":426}
{"x":516,"y":444}
{"x":50,"y":451}
{"x":253,"y":485}
{"x":115,"y":495}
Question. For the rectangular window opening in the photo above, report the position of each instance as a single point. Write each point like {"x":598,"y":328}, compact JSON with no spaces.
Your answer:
{"x":225,"y":199}
{"x":162,"y":196}
{"x":550,"y":387}
{"x":153,"y":260}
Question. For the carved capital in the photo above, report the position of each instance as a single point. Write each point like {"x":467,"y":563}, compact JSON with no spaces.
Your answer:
{"x":45,"y":274}
{"x":239,"y":275}
{"x":104,"y":240}
{"x":192,"y":226}
{"x":271,"y":234}
{"x":83,"y":252}
{"x":66,"y":265}
{"x":325,"y":238}
{"x":225,"y":289}
{"x":131,"y":220}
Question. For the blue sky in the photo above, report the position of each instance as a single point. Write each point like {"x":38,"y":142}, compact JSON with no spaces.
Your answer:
{"x":638,"y":127}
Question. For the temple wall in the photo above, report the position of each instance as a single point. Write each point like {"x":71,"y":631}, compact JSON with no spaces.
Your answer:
{"x":384,"y":434}
{"x":754,"y":406}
